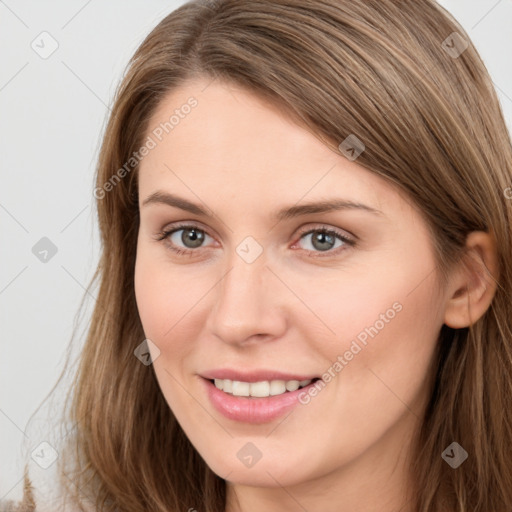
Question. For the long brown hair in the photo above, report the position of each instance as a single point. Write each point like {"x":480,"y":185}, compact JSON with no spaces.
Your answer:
{"x":405,"y":79}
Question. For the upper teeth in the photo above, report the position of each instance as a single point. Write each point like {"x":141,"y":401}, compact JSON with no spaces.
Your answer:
{"x":259,"y":389}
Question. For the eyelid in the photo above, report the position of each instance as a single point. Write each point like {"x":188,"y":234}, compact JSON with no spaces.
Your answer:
{"x":348,"y":238}
{"x":176,"y":226}
{"x":302,"y":231}
{"x":170,"y":229}
{"x":326,"y":227}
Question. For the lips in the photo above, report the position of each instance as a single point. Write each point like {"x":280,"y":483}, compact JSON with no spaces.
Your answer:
{"x":256,"y":410}
{"x":255,"y":375}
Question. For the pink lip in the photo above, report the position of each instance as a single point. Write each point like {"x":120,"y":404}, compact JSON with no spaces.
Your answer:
{"x":254,"y":375}
{"x":252,"y":409}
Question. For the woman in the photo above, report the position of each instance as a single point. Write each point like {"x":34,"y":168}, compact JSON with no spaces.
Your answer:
{"x":306,"y":270}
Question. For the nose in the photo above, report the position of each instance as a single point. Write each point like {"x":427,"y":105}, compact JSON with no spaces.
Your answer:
{"x":248,"y":304}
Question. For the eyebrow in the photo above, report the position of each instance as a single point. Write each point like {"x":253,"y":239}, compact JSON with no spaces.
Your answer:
{"x":286,"y":213}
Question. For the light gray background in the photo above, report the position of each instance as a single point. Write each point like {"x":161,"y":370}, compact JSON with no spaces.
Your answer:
{"x":52,"y":117}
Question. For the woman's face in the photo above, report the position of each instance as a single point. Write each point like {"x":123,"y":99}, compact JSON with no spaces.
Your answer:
{"x":265,"y":297}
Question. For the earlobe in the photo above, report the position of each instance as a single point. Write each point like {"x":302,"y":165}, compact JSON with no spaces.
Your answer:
{"x":474,"y":282}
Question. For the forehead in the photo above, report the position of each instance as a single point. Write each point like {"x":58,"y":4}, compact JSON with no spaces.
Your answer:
{"x":228,"y":117}
{"x":221,"y":141}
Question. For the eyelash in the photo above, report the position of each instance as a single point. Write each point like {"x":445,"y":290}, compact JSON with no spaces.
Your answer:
{"x":164,"y":235}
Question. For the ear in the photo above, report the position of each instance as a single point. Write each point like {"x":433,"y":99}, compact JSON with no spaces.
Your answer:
{"x":474,"y":281}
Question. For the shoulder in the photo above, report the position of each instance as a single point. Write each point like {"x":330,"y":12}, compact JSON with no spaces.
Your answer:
{"x":27,"y":504}
{"x":40,"y":494}
{"x":15,"y":506}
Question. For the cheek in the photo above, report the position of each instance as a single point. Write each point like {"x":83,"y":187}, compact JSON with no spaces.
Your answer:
{"x":163,"y":294}
{"x":172,"y":305}
{"x":153,"y":302}
{"x":376,"y":366}
{"x":165,"y":298}
{"x":383,"y":324}
{"x":386,"y":341}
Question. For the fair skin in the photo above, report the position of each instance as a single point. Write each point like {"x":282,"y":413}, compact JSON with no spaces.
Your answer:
{"x":242,"y":160}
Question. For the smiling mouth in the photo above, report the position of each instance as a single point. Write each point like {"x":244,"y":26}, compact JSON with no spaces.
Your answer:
{"x":261,"y":389}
